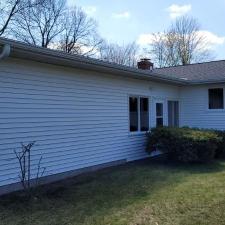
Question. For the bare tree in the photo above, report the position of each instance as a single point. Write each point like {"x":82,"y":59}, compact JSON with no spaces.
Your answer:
{"x":25,"y":164}
{"x":41,"y":24}
{"x":80,"y":34}
{"x":158,"y":49}
{"x":190,"y":44}
{"x":181,"y":44}
{"x":8,"y":10}
{"x":124,"y":55}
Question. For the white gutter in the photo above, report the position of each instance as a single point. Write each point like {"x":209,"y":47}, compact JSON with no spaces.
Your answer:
{"x":39,"y":54}
{"x":5,"y":51}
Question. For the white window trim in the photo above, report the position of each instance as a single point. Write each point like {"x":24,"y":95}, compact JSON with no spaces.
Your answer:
{"x":139,"y":132}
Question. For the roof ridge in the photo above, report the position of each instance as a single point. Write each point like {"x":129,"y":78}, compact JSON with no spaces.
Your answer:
{"x":192,"y":64}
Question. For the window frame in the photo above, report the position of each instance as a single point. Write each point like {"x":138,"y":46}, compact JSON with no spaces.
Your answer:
{"x":139,"y":114}
{"x":141,"y":97}
{"x":179,"y":111}
{"x":133,"y":96}
{"x":218,"y":109}
{"x":163,"y":112}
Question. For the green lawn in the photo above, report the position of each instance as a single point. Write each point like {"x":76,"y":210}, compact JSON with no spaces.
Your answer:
{"x":136,"y":194}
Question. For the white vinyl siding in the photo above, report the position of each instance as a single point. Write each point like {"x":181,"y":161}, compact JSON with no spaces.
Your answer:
{"x":78,"y":118}
{"x":194,"y":108}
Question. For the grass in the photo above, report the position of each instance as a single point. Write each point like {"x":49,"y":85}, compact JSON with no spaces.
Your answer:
{"x":139,"y":193}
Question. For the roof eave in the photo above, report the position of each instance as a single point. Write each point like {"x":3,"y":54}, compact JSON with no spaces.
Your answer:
{"x":29,"y":52}
{"x":200,"y":82}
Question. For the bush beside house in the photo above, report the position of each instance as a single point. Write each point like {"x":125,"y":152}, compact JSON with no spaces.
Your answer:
{"x":220,"y":152}
{"x":186,"y":144}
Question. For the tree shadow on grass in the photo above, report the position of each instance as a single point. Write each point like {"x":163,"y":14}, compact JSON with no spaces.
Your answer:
{"x":98,"y":193}
{"x":210,"y":167}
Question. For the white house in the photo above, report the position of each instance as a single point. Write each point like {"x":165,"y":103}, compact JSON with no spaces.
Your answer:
{"x":85,"y":114}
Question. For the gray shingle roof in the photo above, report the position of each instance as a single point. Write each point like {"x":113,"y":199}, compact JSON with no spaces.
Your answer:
{"x":199,"y":72}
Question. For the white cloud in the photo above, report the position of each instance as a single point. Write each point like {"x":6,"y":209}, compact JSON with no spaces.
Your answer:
{"x":211,"y":38}
{"x":145,"y":39}
{"x":178,"y":10}
{"x":122,"y":15}
{"x":90,"y":10}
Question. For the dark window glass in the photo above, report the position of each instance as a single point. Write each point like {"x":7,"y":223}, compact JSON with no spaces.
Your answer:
{"x":133,"y":106}
{"x":159,"y":109}
{"x":144,"y":114}
{"x":173,"y":113}
{"x":159,"y":114}
{"x":159,"y":122}
{"x":216,"y":98}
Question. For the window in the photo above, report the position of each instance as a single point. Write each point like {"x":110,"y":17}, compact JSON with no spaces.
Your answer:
{"x":139,"y":114}
{"x":133,"y":114}
{"x":159,"y":114}
{"x":215,"y":96}
{"x":173,"y":113}
{"x":144,"y":114}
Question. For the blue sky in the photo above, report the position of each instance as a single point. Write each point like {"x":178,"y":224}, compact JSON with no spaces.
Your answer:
{"x":124,"y":21}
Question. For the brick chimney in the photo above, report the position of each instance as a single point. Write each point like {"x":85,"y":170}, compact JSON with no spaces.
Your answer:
{"x":145,"y":64}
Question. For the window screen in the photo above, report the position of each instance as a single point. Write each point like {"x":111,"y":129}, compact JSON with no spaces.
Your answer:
{"x":173,"y":113}
{"x":216,"y":98}
{"x":133,"y":108}
{"x":159,"y":114}
{"x":144,"y":114}
{"x":139,"y":113}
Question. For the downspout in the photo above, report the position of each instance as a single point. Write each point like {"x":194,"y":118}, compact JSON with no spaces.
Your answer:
{"x":5,"y":51}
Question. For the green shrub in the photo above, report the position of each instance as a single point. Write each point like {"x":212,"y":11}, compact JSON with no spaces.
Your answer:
{"x":184,"y":144}
{"x":220,"y":151}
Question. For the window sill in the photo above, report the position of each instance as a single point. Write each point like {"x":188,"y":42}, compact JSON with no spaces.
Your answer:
{"x":137,"y":133}
{"x":215,"y":110}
